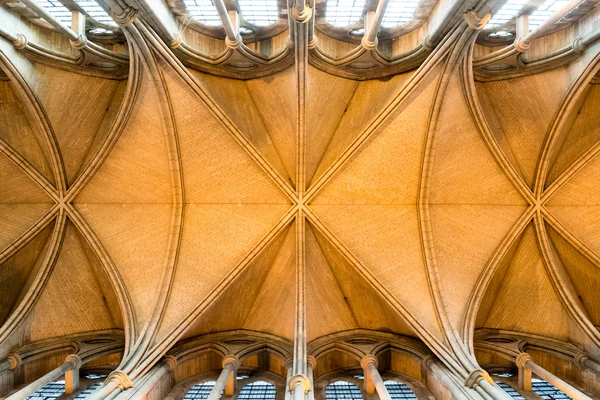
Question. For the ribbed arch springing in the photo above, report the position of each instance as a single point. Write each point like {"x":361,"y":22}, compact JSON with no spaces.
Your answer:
{"x":203,"y":11}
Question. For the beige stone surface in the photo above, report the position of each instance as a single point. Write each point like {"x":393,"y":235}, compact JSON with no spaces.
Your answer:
{"x":425,"y":204}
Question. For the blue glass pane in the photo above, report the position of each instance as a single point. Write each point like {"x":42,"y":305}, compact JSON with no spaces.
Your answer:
{"x":344,"y":12}
{"x":200,"y":391}
{"x":258,"y":390}
{"x":342,"y":390}
{"x":399,"y":390}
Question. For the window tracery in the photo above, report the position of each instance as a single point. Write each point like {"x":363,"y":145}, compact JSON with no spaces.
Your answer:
{"x":199,"y":391}
{"x":342,"y":390}
{"x":342,"y":13}
{"x":94,"y":11}
{"x":399,"y":12}
{"x":57,"y":10}
{"x":51,"y":391}
{"x":510,"y":390}
{"x":259,"y":12}
{"x":399,"y":390}
{"x":203,"y":11}
{"x":547,"y":391}
{"x":258,"y":390}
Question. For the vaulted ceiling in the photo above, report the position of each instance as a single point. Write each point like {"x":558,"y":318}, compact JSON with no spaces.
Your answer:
{"x":177,"y":203}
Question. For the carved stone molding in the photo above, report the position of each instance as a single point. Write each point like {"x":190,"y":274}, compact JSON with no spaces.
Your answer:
{"x":299,"y":379}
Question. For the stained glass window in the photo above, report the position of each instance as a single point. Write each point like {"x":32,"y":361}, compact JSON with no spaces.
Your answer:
{"x":258,"y":390}
{"x":344,"y":12}
{"x":342,"y":390}
{"x":96,"y":12}
{"x":510,"y":391}
{"x":200,"y":391}
{"x":57,"y":10}
{"x":545,"y":11}
{"x":546,"y":391}
{"x":508,"y":11}
{"x":89,"y":390}
{"x":399,"y":12}
{"x":203,"y":11}
{"x":259,"y":12}
{"x":48,"y":392}
{"x":399,"y":390}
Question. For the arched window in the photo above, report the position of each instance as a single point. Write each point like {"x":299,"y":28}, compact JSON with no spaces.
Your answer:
{"x":200,"y":391}
{"x":259,"y":12}
{"x":90,"y":389}
{"x":508,"y":11}
{"x":399,"y":390}
{"x":57,"y":10}
{"x":344,"y":12}
{"x":509,"y":390}
{"x":342,"y":390}
{"x":399,"y":12}
{"x":203,"y":11}
{"x":546,"y":391}
{"x":545,"y":11}
{"x":259,"y":390}
{"x":97,"y":13}
{"x":50,"y":391}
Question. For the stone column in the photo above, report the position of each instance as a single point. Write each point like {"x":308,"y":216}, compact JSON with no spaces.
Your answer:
{"x":289,"y":364}
{"x":116,"y":382}
{"x":442,"y":375}
{"x":373,"y":380}
{"x":299,"y":386}
{"x":72,"y":378}
{"x":525,"y":362}
{"x":311,"y":364}
{"x":154,"y":376}
{"x":72,"y":361}
{"x":230,"y":366}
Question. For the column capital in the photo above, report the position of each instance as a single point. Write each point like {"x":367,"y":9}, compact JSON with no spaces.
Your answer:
{"x":120,"y":378}
{"x":521,"y":45}
{"x":175,"y":42}
{"x":580,"y":359}
{"x":368,"y":359}
{"x":428,"y":360}
{"x":367,"y":44}
{"x":21,"y":41}
{"x":475,"y":21}
{"x":234,"y":44}
{"x":74,"y":360}
{"x":171,"y":362}
{"x":233,"y":360}
{"x":300,"y":379}
{"x":578,"y":45}
{"x":301,"y":16}
{"x":522,"y":359}
{"x":126,"y":17}
{"x":15,"y":361}
{"x":80,"y":42}
{"x":476,"y":376}
{"x":289,"y":362}
{"x":312,"y":361}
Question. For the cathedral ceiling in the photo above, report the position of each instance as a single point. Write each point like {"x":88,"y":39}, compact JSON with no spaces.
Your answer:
{"x":175,"y":203}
